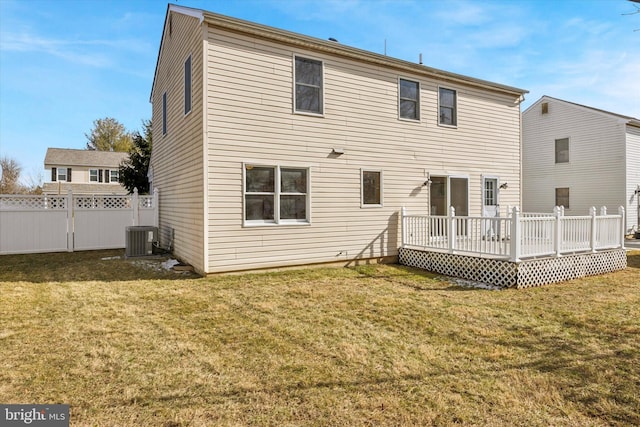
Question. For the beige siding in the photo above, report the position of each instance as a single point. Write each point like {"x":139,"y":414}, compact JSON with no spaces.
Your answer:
{"x":595,"y":172}
{"x":177,"y":158}
{"x":633,"y":177}
{"x":250,"y":119}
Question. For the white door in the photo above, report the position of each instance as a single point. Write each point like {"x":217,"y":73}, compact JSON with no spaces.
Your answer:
{"x":490,"y":206}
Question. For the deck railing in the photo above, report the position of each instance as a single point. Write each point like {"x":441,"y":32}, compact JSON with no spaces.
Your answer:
{"x":516,"y":236}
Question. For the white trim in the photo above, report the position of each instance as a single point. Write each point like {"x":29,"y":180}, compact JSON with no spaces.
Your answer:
{"x":205,"y":147}
{"x":189,"y":11}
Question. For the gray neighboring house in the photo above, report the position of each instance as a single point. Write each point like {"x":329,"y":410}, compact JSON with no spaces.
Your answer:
{"x":83,"y":171}
{"x":577,"y":157}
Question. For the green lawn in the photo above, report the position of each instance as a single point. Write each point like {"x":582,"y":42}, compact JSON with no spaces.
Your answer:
{"x":126,"y":344}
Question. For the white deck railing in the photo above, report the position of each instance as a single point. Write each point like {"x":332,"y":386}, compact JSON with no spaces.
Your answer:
{"x":517,"y":236}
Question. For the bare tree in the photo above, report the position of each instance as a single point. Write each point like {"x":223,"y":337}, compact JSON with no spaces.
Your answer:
{"x":10,"y":170}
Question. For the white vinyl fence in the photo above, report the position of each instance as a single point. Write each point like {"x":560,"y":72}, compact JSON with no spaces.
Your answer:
{"x":33,"y":224}
{"x":516,"y":236}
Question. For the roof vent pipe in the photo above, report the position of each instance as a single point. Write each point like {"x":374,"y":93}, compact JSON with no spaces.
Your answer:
{"x":420,"y":61}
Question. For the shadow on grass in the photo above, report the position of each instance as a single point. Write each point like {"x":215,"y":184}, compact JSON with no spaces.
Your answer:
{"x":633,"y":259}
{"x":432,"y":282}
{"x":103,"y":265}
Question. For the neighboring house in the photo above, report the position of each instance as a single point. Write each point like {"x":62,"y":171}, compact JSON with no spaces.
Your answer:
{"x":83,"y":171}
{"x":577,"y":157}
{"x":273,"y":148}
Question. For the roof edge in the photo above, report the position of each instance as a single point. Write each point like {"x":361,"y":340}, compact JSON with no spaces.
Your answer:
{"x":296,"y":39}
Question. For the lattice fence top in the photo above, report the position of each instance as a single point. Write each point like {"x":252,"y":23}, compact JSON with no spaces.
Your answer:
{"x":102,"y":202}
{"x":145,"y":201}
{"x":33,"y":202}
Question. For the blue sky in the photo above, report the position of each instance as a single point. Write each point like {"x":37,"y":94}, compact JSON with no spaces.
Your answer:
{"x":66,"y":63}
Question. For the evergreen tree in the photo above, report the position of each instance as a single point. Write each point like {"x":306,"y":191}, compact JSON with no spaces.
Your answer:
{"x":133,"y":171}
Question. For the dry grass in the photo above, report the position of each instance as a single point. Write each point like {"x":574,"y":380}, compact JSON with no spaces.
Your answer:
{"x":372,"y":345}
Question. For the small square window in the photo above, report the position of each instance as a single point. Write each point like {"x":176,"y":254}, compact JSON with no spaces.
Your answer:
{"x":371,"y":188}
{"x":562,"y":150}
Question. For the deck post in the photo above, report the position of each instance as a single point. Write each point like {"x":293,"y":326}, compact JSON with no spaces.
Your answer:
{"x":70,"y":221}
{"x":452,"y":229}
{"x":623,"y":225}
{"x":558,"y":213}
{"x":403,"y":214}
{"x":156,"y":208}
{"x":515,"y":235}
{"x":135,"y":205}
{"x":594,"y":229}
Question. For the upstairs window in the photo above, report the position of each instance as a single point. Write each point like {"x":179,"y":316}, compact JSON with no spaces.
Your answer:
{"x":562,"y":150}
{"x":93,"y":175}
{"x":164,"y":113}
{"x":447,"y":106}
{"x":276,"y":195}
{"x":371,"y":188}
{"x":187,"y":85}
{"x":308,"y":87}
{"x":409,"y":100}
{"x":114,"y":175}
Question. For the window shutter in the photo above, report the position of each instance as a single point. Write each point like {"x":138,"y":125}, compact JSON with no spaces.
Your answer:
{"x":100,"y":175}
{"x":54,"y":174}
{"x":106,"y":175}
{"x":68,"y":174}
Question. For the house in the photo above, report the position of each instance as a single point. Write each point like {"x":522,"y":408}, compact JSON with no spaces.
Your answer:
{"x":276,"y":149}
{"x":577,"y":157}
{"x":83,"y":171}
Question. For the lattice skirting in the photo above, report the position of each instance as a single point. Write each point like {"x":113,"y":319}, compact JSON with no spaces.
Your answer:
{"x":524,"y":274}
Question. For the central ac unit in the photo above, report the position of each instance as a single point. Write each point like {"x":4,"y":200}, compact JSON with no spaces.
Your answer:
{"x":140,"y":240}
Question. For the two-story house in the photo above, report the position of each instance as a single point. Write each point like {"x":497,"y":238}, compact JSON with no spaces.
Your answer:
{"x":273,"y":148}
{"x":577,"y":157}
{"x":83,"y":171}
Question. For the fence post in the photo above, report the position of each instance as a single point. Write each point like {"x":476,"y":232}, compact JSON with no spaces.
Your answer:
{"x":594,"y":229}
{"x":623,"y":226}
{"x":136,"y":207}
{"x":156,"y":208}
{"x":452,"y":229}
{"x":515,"y":234}
{"x":558,"y":213}
{"x":70,"y":228}
{"x":403,"y":214}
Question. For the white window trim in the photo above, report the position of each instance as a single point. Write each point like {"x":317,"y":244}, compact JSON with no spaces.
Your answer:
{"x":277,"y":193}
{"x":97,"y":171}
{"x":66,"y":174}
{"x":189,"y":58}
{"x":419,"y":119}
{"x":111,"y":172}
{"x":293,"y":97}
{"x":444,"y":125}
{"x":364,"y":205}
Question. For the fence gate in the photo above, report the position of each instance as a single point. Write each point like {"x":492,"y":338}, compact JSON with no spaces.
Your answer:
{"x":34,"y":224}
